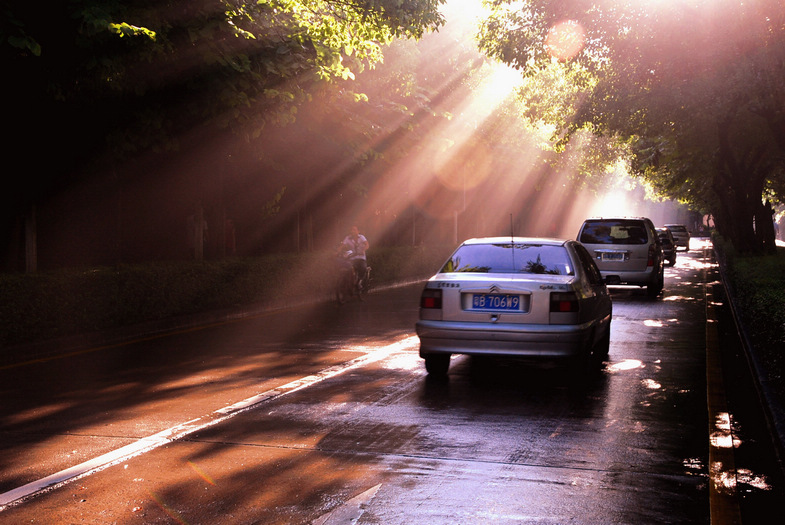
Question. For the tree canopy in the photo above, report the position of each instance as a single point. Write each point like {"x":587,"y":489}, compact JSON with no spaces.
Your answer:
{"x":99,"y":82}
{"x":132,"y":75}
{"x":693,"y":90}
{"x":689,"y":93}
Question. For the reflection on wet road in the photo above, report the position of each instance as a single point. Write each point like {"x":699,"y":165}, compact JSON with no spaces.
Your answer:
{"x":361,"y":435}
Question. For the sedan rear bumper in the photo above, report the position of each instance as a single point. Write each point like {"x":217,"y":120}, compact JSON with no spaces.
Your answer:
{"x":557,"y":341}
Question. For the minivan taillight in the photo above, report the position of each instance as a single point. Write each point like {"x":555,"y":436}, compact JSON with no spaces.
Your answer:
{"x":652,"y":254}
{"x":431,"y":298}
{"x":564,"y":302}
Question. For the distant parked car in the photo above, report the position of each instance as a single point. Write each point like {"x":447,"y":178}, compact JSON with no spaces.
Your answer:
{"x":668,"y":245}
{"x":680,"y":234}
{"x":627,"y":251}
{"x":513,"y":296}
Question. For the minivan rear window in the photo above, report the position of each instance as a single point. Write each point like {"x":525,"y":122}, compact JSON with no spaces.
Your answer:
{"x":617,"y":231}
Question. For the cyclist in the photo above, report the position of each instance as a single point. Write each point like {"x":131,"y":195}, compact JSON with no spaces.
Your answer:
{"x":357,"y":245}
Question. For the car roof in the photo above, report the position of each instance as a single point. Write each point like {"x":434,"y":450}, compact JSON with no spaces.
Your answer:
{"x":516,"y":240}
{"x":617,"y":217}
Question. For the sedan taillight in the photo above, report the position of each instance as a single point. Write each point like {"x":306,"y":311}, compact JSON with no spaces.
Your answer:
{"x":431,"y":299}
{"x":564,"y":302}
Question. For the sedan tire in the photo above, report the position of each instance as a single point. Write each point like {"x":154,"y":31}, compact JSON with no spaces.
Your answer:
{"x":603,"y":348}
{"x":437,"y":364}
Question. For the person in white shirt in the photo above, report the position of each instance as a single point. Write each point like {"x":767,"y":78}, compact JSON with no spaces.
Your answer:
{"x":357,"y":244}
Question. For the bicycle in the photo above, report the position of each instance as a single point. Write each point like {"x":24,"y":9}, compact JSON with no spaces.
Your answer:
{"x":348,"y":283}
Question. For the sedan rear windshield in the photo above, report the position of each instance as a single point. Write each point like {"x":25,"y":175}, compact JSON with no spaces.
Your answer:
{"x":614,"y":232}
{"x":510,"y":258}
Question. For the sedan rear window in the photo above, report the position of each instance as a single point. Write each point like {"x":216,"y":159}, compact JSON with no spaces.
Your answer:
{"x":510,"y":258}
{"x":614,"y":232}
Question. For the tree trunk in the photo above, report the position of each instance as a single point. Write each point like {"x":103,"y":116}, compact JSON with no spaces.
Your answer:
{"x":733,"y":219}
{"x":764,"y":228}
{"x":739,"y":189}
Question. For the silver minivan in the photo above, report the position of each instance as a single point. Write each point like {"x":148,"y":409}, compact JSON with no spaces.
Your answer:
{"x":627,"y":251}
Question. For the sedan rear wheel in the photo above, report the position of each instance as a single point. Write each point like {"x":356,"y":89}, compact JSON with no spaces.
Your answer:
{"x":437,"y":364}
{"x":603,"y":348}
{"x":590,"y":360}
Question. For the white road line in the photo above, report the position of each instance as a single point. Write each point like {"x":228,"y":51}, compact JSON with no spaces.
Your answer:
{"x":351,"y":511}
{"x":146,"y":444}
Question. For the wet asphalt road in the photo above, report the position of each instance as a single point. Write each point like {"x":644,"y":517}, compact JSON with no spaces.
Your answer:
{"x":324,"y":414}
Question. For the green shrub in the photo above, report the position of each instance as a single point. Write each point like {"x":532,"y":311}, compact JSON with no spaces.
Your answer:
{"x":757,"y":283}
{"x":759,"y":288}
{"x":40,"y":306}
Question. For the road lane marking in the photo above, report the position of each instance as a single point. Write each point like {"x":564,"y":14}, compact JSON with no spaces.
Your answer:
{"x":146,"y":444}
{"x":351,"y":511}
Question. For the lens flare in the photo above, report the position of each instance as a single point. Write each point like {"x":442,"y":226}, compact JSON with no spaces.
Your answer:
{"x":565,"y":40}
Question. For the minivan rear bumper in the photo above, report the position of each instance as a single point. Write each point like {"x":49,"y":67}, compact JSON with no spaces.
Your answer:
{"x":645,"y":278}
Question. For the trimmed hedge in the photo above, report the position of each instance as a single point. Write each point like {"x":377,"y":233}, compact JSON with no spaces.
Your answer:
{"x":36,"y":307}
{"x":757,"y":283}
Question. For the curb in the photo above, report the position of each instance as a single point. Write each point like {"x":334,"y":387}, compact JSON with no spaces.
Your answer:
{"x":724,"y":504}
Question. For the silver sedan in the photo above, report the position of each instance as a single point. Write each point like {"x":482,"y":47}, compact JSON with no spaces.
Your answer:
{"x":515,"y":296}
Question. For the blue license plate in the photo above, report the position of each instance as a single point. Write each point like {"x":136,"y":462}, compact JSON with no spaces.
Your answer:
{"x":504,"y":302}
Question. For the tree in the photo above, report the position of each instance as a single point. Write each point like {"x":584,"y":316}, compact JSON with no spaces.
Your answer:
{"x":693,"y":89}
{"x":97,"y":83}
